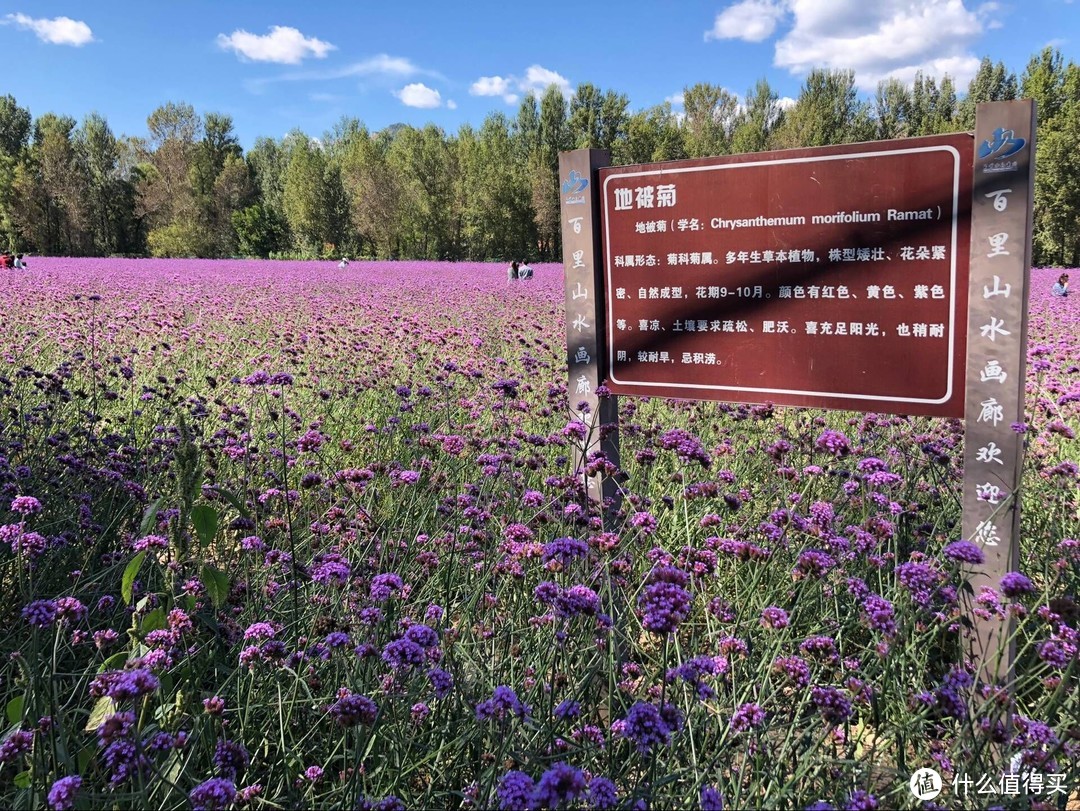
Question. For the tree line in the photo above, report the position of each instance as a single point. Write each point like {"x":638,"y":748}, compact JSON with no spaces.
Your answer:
{"x":186,"y":187}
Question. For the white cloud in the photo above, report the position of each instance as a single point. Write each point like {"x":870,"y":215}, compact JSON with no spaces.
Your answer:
{"x":750,"y":20}
{"x":451,"y":104}
{"x":786,"y":102}
{"x":495,"y":86}
{"x":675,"y":99}
{"x":419,"y":95}
{"x":57,"y":31}
{"x":884,"y":39}
{"x":878,"y":39}
{"x":536,"y":80}
{"x":283,"y":45}
{"x":382,"y":64}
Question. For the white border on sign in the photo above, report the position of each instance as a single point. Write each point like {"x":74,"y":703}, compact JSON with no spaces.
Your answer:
{"x":608,"y":267}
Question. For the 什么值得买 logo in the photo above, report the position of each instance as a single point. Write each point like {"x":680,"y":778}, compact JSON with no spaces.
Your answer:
{"x":1001,"y":145}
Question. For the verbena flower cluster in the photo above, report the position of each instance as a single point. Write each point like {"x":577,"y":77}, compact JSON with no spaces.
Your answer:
{"x":278,"y":535}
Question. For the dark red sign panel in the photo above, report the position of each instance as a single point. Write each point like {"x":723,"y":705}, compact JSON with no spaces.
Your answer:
{"x":834,"y":277}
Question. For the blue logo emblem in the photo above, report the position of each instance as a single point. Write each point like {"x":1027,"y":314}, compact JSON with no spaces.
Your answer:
{"x":574,"y":183}
{"x":1003,"y":145}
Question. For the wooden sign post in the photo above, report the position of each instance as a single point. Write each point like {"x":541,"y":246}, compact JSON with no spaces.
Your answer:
{"x":579,"y":204}
{"x":996,"y":369}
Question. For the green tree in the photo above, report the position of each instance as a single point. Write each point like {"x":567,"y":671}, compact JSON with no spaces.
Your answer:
{"x":373,"y":193}
{"x":260,"y":231}
{"x":110,"y":196}
{"x":992,"y":82}
{"x":651,"y":135}
{"x":167,"y":197}
{"x":14,"y":136}
{"x":756,"y":121}
{"x":596,"y":120}
{"x":710,"y":119}
{"x":828,"y":111}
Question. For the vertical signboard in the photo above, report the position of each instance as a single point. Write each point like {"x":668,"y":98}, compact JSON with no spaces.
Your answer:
{"x":996,"y":370}
{"x":580,"y":210}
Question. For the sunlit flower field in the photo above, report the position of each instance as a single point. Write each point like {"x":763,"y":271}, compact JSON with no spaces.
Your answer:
{"x":276,"y":535}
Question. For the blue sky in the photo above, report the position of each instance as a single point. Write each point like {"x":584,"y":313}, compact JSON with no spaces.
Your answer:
{"x":275,"y":66}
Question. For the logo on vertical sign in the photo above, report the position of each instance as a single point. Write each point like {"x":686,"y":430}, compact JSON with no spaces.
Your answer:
{"x":573,"y":187}
{"x":997,"y":150}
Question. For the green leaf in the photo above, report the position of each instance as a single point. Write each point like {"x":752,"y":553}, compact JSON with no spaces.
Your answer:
{"x":114,"y":661}
{"x":150,"y":516}
{"x":15,"y":708}
{"x":86,"y":754}
{"x":153,"y":621}
{"x":131,"y":571}
{"x":23,"y":779}
{"x":217,"y":584}
{"x":105,"y":707}
{"x":205,"y":519}
{"x":234,"y":500}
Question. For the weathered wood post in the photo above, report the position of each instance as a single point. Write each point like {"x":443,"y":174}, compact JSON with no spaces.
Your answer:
{"x":1001,"y":212}
{"x":586,"y":355}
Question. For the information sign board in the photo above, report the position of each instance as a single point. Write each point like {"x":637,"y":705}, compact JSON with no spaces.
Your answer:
{"x":833,"y":277}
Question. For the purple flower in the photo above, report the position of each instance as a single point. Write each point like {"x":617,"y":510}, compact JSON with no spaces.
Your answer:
{"x":711,"y":799}
{"x":567,"y":709}
{"x":565,"y":550}
{"x":577,"y":601}
{"x":861,"y":801}
{"x":747,"y":716}
{"x":124,"y":684}
{"x":215,"y":794}
{"x":260,"y":630}
{"x":645,"y":521}
{"x":879,"y":614}
{"x":834,"y":442}
{"x":25,"y":505}
{"x":502,"y":705}
{"x":441,"y":682}
{"x":920,"y":579}
{"x":231,"y":759}
{"x":603,"y":794}
{"x":150,"y":542}
{"x":833,"y":705}
{"x":964,"y":552}
{"x":63,"y":791}
{"x":562,"y":783}
{"x":332,"y":570}
{"x":40,"y":613}
{"x":1014,"y":584}
{"x":383,"y":586}
{"x":664,"y":603}
{"x":515,"y":791}
{"x":812,"y":563}
{"x":351,"y":709}
{"x":403,"y":654}
{"x":774,"y":618}
{"x":423,"y":636}
{"x":15,"y":745}
{"x":647,"y":726}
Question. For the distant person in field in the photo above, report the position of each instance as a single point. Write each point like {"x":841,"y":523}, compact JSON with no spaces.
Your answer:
{"x":1061,"y":286}
{"x":6,"y":262}
{"x":524,"y":271}
{"x":20,"y":261}
{"x":344,"y":263}
{"x":512,"y":273}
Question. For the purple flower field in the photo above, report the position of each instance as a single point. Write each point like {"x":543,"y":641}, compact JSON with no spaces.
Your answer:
{"x":278,"y":535}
